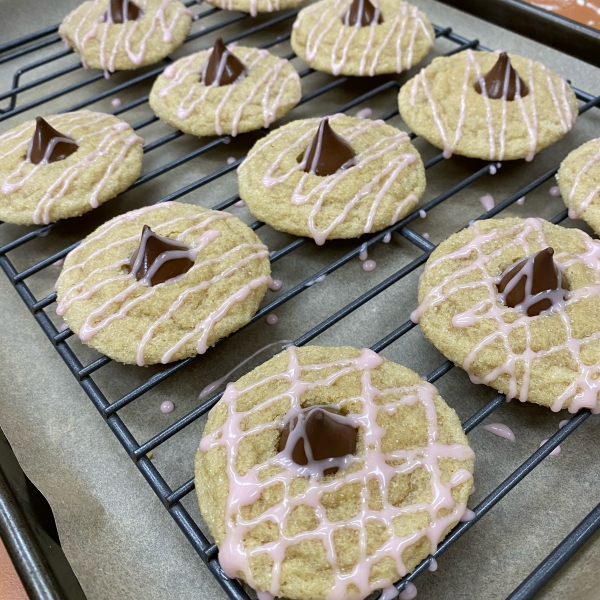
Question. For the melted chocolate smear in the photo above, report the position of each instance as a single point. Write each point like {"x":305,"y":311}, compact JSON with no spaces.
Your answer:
{"x":49,"y":145}
{"x":363,"y":14}
{"x":151,"y":247}
{"x":545,"y":277}
{"x":328,"y":152}
{"x":121,"y":11}
{"x":327,"y":437}
{"x":223,"y":67}
{"x":502,"y":81}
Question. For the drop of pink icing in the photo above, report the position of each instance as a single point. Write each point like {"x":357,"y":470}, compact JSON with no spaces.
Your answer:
{"x":555,"y":191}
{"x":230,"y":161}
{"x":426,"y":235}
{"x":276,"y":285}
{"x":58,"y":263}
{"x":563,"y":423}
{"x":501,"y":430}
{"x":468,"y":516}
{"x":63,"y":327}
{"x":554,"y":452}
{"x":240,"y":203}
{"x":167,"y":407}
{"x":116,"y":102}
{"x":364,"y":113}
{"x":409,"y":592}
{"x":369,"y":265}
{"x":388,"y":593}
{"x":422,"y":214}
{"x":432,"y":565}
{"x":493,"y":170}
{"x":271,"y":319}
{"x":521,"y":200}
{"x":487,"y":201}
{"x":363,"y":253}
{"x":387,"y":238}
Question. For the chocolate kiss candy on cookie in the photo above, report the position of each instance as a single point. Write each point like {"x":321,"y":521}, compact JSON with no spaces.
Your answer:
{"x":223,"y":67}
{"x":121,"y":11}
{"x":362,"y":13}
{"x":534,"y":283}
{"x":327,"y":437}
{"x":328,"y":152}
{"x":502,"y":81}
{"x":49,"y":145}
{"x":158,"y":259}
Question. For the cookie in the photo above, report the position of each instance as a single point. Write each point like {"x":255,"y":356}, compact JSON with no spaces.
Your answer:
{"x":516,"y":303}
{"x":65,"y":165}
{"x":488,"y":105}
{"x":266,"y":88}
{"x":374,"y":177}
{"x":345,"y":37}
{"x":255,"y":6}
{"x":330,"y":473}
{"x":163,"y":283}
{"x":120,"y":35}
{"x":579,"y":182}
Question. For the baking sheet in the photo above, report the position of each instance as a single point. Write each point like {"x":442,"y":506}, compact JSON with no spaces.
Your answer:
{"x":121,"y":542}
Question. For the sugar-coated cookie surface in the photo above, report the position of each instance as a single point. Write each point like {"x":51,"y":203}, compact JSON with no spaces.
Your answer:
{"x":324,"y":42}
{"x":384,"y":185}
{"x":292,"y":533}
{"x":442,"y":105}
{"x":161,"y":28}
{"x":255,"y":6}
{"x":579,"y":182}
{"x":107,"y":161}
{"x":552,"y":359}
{"x":269,"y":90}
{"x":134,"y":322}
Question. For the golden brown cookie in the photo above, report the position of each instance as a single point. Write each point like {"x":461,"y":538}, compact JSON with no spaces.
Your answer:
{"x":268,"y":91}
{"x":404,"y":472}
{"x":385,"y":183}
{"x":107,"y":160}
{"x":139,"y":317}
{"x":442,"y":105}
{"x":579,"y":182}
{"x":483,"y":313}
{"x":159,"y":28}
{"x":255,"y":6}
{"x":323,"y":41}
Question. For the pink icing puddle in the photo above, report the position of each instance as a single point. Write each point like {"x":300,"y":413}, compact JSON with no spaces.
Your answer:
{"x":563,"y":423}
{"x":422,"y":214}
{"x":387,"y":238}
{"x":313,"y":281}
{"x":116,"y":102}
{"x":230,"y":161}
{"x":501,"y":430}
{"x":409,"y":592}
{"x":167,"y":407}
{"x":276,"y":285}
{"x":554,"y":452}
{"x":468,"y":516}
{"x":426,"y":235}
{"x":239,"y":202}
{"x":521,"y":200}
{"x":487,"y":201}
{"x":63,"y":327}
{"x":432,"y":565}
{"x":271,"y":319}
{"x":363,"y":254}
{"x":555,"y":191}
{"x":493,"y":170}
{"x":364,"y":113}
{"x":369,"y":265}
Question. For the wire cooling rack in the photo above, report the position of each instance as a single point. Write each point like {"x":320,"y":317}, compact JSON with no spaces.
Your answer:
{"x":64,"y":81}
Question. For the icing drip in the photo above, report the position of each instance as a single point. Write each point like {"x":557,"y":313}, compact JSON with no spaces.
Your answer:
{"x":487,"y":202}
{"x":222,"y":66}
{"x":167,"y":407}
{"x":583,"y":391}
{"x":576,"y":211}
{"x":501,"y":430}
{"x":433,"y":566}
{"x":96,"y":29}
{"x":49,"y":145}
{"x":409,"y":592}
{"x":246,"y":489}
{"x":317,"y":194}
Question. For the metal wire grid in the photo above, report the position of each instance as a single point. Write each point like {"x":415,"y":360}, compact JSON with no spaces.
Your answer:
{"x":171,"y":498}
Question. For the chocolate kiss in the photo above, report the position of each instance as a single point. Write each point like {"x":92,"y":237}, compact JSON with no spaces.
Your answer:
{"x":545,"y":277}
{"x":328,"y":152}
{"x":223,"y":67}
{"x":502,"y":81}
{"x":153,"y":247}
{"x":49,"y":145}
{"x":326,"y":437}
{"x":121,"y":11}
{"x":362,"y":13}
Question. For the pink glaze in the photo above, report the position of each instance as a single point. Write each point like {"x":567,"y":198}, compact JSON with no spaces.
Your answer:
{"x":521,"y":200}
{"x":271,"y":319}
{"x":369,"y":265}
{"x":387,"y":238}
{"x":493,"y":170}
{"x":373,"y":466}
{"x":316,"y":280}
{"x":422,"y":214}
{"x":554,"y":452}
{"x":555,"y":191}
{"x":240,"y":203}
{"x":167,"y":407}
{"x":468,"y":515}
{"x":63,"y":327}
{"x":409,"y":592}
{"x":363,"y":252}
{"x":276,"y":285}
{"x":231,"y":160}
{"x":433,"y":566}
{"x":389,"y":593}
{"x":426,"y":235}
{"x":116,"y":102}
{"x":364,"y":113}
{"x":487,"y":202}
{"x":583,"y":391}
{"x":576,"y":211}
{"x":501,"y":430}
{"x":563,"y":423}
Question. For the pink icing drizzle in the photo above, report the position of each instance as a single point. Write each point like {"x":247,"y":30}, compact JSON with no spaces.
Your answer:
{"x":487,"y":201}
{"x":501,"y":430}
{"x":247,"y":489}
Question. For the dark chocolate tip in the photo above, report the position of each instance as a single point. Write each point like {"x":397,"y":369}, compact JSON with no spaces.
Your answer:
{"x":327,"y":437}
{"x":362,"y":13}
{"x":121,"y":11}
{"x":223,"y":67}
{"x":328,"y":152}
{"x":150,"y":248}
{"x":545,"y":277}
{"x":502,"y":81}
{"x":49,"y":145}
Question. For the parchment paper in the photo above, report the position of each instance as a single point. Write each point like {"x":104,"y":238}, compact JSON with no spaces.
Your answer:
{"x":119,"y":538}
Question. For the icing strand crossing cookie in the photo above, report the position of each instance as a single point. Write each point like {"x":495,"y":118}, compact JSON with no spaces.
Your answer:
{"x":163,"y":283}
{"x":516,"y":302}
{"x":379,"y":180}
{"x":329,"y":473}
{"x":461,"y":104}
{"x":579,"y":183}
{"x":65,"y":165}
{"x":266,"y":88}
{"x":389,"y":37}
{"x":108,"y":38}
{"x":255,"y":6}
